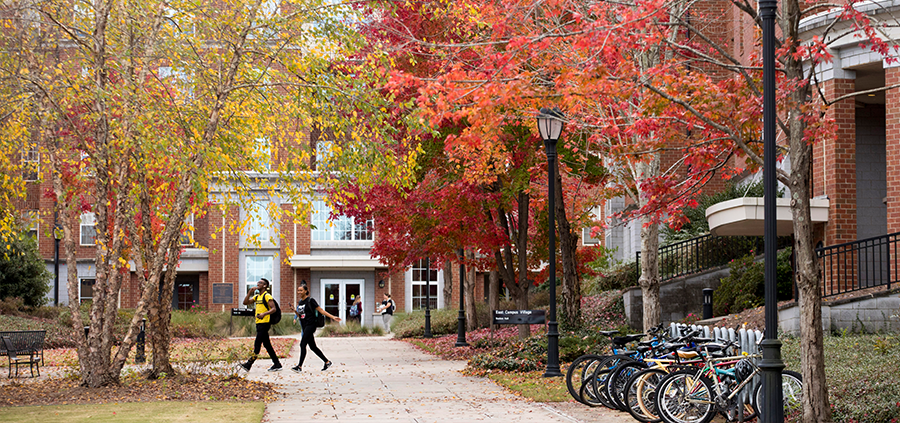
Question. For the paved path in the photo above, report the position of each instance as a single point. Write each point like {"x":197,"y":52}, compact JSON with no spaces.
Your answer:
{"x":376,"y":379}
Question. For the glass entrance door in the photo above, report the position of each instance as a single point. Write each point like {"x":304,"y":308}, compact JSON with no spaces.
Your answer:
{"x":339,"y":295}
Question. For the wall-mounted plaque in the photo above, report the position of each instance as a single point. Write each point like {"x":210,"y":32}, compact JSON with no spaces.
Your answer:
{"x":223,"y":293}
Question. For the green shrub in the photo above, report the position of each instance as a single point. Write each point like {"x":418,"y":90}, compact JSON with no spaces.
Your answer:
{"x":618,"y":277}
{"x":22,"y":272}
{"x":744,"y":287}
{"x":350,"y":328}
{"x":740,"y":289}
{"x":443,"y":321}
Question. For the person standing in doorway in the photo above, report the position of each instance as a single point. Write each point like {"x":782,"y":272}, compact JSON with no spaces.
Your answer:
{"x":265,"y":305}
{"x":387,"y":311}
{"x":306,"y":312}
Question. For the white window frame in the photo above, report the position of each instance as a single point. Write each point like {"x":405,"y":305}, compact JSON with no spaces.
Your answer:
{"x":31,"y":163}
{"x":586,"y":239}
{"x":88,"y":220}
{"x":81,"y":297}
{"x":32,"y":224}
{"x":256,"y":267}
{"x":326,"y":229}
{"x":416,"y":280}
{"x":186,"y":239}
{"x":263,"y":154}
{"x":259,"y":223}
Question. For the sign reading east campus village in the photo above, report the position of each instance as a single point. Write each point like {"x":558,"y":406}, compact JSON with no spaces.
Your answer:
{"x":518,"y":317}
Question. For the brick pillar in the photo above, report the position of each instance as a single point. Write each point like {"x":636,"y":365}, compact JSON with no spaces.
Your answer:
{"x":892,"y":145}
{"x":835,"y":167}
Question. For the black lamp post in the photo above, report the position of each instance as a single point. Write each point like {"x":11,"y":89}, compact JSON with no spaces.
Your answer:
{"x":550,"y":125}
{"x":461,"y":319}
{"x":771,"y":364}
{"x":427,"y":298}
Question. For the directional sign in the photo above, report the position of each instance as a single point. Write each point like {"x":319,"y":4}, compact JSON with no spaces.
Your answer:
{"x":518,"y":317}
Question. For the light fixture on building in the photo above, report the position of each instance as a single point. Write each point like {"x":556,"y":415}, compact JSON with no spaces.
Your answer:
{"x":381,"y":283}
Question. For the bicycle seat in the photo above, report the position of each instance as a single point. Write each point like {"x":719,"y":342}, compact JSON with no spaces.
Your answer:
{"x":646,"y":343}
{"x":608,"y":332}
{"x":644,"y":348}
{"x":702,"y":340}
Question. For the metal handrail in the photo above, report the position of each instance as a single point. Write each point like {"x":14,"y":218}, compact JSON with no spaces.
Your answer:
{"x":858,"y":265}
{"x":702,"y":253}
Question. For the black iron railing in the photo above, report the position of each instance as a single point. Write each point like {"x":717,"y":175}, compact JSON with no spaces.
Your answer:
{"x":858,"y":265}
{"x":703,"y":253}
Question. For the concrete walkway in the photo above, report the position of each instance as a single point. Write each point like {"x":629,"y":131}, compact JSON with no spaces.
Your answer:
{"x":377,"y":379}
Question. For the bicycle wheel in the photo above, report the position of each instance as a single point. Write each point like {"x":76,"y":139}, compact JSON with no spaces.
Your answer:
{"x":640,"y":394}
{"x":684,"y":397}
{"x":597,"y":383}
{"x":580,"y":370}
{"x":618,"y":377}
{"x":792,"y":394}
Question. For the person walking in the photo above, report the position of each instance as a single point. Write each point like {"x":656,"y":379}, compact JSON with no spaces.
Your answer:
{"x":387,"y":311}
{"x":265,"y":306}
{"x":356,"y":310}
{"x":305,"y":311}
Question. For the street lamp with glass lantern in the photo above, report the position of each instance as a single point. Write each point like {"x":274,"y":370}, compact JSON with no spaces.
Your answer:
{"x":550,"y":124}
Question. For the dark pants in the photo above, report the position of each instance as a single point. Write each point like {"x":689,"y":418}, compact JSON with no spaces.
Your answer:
{"x":262,"y":340}
{"x":308,"y":339}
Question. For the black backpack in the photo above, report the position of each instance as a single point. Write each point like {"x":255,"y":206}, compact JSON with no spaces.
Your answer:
{"x":275,"y":317}
{"x":320,"y":320}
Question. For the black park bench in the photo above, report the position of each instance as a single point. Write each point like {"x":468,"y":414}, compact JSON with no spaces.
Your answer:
{"x":23,"y":347}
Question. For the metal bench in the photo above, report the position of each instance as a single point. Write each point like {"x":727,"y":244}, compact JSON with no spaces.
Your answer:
{"x":23,"y":347}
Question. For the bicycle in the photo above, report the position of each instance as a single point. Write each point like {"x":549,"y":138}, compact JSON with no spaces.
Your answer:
{"x":696,"y":396}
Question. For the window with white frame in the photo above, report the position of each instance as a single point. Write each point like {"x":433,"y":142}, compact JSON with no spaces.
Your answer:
{"x":187,"y":231}
{"x":86,"y":290}
{"x":257,"y":267}
{"x":88,"y":228}
{"x":323,"y":154}
{"x":586,"y":238}
{"x":178,"y":80}
{"x":31,"y":163}
{"x":419,"y":275}
{"x":342,"y":228}
{"x":30,"y":218}
{"x":263,"y":154}
{"x":259,"y":224}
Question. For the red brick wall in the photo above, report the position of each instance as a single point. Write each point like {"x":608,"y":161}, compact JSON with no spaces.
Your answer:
{"x":835,"y":165}
{"x":892,"y":122}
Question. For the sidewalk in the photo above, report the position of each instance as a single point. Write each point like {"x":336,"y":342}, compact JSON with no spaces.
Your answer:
{"x":376,"y":379}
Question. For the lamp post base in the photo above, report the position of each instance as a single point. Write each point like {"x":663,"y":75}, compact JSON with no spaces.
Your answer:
{"x":552,"y":350}
{"x":461,"y":330}
{"x":771,"y":365}
{"x":427,"y":324}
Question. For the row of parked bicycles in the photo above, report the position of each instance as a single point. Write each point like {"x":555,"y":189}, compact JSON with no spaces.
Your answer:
{"x":676,"y":379}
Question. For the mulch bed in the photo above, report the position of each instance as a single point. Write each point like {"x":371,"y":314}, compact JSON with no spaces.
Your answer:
{"x":182,"y":387}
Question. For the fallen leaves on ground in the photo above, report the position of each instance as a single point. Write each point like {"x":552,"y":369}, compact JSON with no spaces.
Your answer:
{"x":182,"y":387}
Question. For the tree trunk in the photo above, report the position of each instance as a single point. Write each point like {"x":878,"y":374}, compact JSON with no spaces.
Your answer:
{"x":469,"y":284}
{"x":448,"y":284}
{"x":571,"y":280}
{"x":161,"y":323}
{"x":493,"y":294}
{"x":816,"y":407}
{"x":649,"y":280}
{"x":515,"y":274}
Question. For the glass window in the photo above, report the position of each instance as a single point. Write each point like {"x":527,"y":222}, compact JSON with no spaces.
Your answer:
{"x":187,"y":231}
{"x":31,"y":163}
{"x":86,"y":290}
{"x":260,"y":222}
{"x":88,"y":229}
{"x":258,"y":267}
{"x":342,"y":228}
{"x":263,"y":155}
{"x":419,"y":275}
{"x":30,"y":218}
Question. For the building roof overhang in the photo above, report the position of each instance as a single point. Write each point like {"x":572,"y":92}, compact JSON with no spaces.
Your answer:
{"x":745,"y":216}
{"x":335,"y":262}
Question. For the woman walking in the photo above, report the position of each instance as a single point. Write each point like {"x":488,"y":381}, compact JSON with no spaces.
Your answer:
{"x":306,"y":312}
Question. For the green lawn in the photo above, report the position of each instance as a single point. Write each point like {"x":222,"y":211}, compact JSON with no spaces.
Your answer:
{"x":208,"y":412}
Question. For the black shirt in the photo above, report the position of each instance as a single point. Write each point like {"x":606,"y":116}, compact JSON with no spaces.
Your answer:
{"x":389,"y":307}
{"x":307,"y":309}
